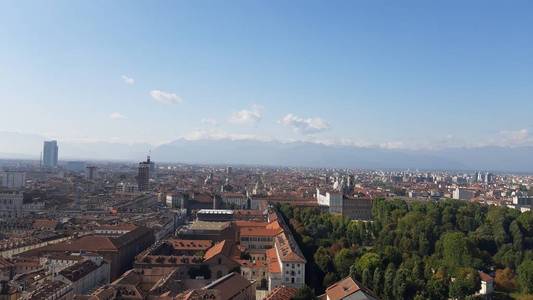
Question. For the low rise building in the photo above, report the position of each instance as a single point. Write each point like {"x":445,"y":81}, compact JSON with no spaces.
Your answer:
{"x":235,"y":200}
{"x":215,"y":215}
{"x":463,"y":194}
{"x":85,"y":275}
{"x":232,"y":286}
{"x":347,"y":289}
{"x":11,"y":204}
{"x":356,"y":208}
{"x":119,"y":252}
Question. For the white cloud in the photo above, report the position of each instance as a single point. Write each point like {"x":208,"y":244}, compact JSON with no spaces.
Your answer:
{"x":304,"y":125}
{"x":117,"y":116}
{"x":128,"y":80}
{"x":209,"y":121}
{"x":215,"y":134}
{"x":393,"y":145}
{"x":515,"y":136}
{"x":165,"y":97}
{"x":247,"y":116}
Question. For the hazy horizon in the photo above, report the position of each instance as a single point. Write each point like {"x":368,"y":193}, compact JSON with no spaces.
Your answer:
{"x":411,"y":75}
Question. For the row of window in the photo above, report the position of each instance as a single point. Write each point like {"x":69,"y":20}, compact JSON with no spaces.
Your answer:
{"x":292,"y":265}
{"x":256,"y":239}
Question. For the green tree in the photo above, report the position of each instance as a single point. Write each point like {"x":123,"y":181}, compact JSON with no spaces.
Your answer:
{"x":401,"y":284}
{"x":369,"y":261}
{"x":343,"y":261}
{"x":329,"y":279}
{"x":437,"y":288}
{"x":466,"y":282}
{"x":457,"y":250}
{"x":388,"y":284}
{"x":377,"y":281}
{"x":507,"y":256}
{"x":525,"y":276}
{"x":366,"y":278}
{"x":429,"y":243}
{"x":323,"y":259}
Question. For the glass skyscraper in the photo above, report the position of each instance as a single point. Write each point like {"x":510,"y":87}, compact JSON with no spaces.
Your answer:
{"x":50,"y":153}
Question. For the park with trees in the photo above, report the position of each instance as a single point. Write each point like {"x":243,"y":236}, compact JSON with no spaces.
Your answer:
{"x":419,"y":250}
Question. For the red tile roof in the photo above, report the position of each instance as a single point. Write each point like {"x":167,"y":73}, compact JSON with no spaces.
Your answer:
{"x":342,"y":289}
{"x":485,"y":277}
{"x":257,"y":231}
{"x":190,"y":244}
{"x":272,"y":259}
{"x":223,"y":247}
{"x":281,"y":293}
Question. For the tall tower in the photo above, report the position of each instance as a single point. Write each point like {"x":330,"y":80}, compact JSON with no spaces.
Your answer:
{"x":143,"y":175}
{"x":50,"y":154}
{"x":91,"y":173}
{"x":151,"y":165}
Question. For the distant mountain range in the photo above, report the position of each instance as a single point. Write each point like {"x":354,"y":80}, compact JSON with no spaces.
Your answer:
{"x":298,"y":154}
{"x":518,"y":159}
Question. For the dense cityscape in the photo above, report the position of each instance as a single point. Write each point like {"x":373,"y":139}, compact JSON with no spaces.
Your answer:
{"x":150,"y":230}
{"x":266,"y":150}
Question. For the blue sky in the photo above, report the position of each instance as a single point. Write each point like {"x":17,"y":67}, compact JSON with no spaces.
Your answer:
{"x":407,"y":74}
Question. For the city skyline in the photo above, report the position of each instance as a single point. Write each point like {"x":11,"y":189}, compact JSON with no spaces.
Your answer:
{"x":266,"y":150}
{"x":412,"y":76}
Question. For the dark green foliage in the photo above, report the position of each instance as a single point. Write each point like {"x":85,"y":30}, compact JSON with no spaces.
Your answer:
{"x":437,"y":288}
{"x":369,"y":261}
{"x":330,"y":279}
{"x":465,"y":282}
{"x":457,"y":251}
{"x":343,"y":261}
{"x":304,"y":293}
{"x":323,"y":259}
{"x":366,"y":278}
{"x":377,"y":280}
{"x":525,"y":276}
{"x":388,"y":287}
{"x":422,"y":250}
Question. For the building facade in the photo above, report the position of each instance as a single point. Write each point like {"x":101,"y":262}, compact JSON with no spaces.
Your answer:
{"x":12,"y":179}
{"x":11,"y":205}
{"x":50,"y":154}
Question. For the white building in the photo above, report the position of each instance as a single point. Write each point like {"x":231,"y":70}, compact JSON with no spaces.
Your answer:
{"x":487,"y":284}
{"x":86,"y":275}
{"x":523,"y":200}
{"x":235,"y":200}
{"x":127,"y":188}
{"x":286,"y":262}
{"x":12,"y":179}
{"x":463,"y":194}
{"x":331,"y":199}
{"x":291,"y":260}
{"x":11,"y":205}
